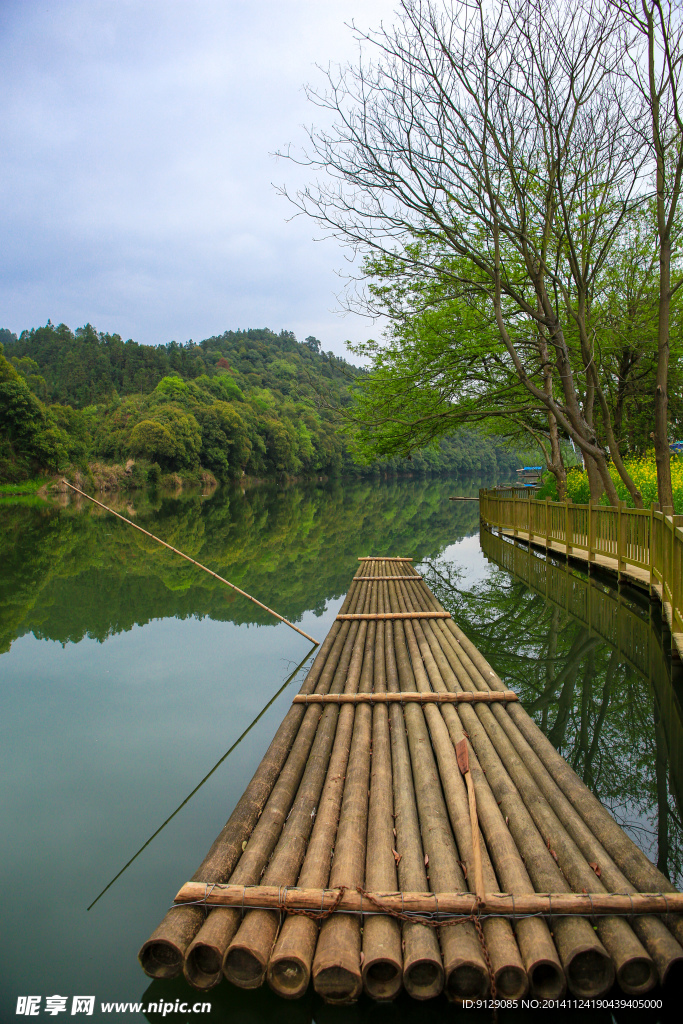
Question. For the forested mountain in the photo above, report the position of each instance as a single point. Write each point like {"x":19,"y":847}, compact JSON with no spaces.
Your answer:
{"x":245,"y":402}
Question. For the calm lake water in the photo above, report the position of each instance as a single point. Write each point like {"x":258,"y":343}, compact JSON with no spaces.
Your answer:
{"x":127,"y":675}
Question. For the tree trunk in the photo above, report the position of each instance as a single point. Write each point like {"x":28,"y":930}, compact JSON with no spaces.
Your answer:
{"x":661,"y":431}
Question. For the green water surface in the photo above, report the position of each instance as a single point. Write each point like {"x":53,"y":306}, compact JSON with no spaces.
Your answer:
{"x":127,"y":675}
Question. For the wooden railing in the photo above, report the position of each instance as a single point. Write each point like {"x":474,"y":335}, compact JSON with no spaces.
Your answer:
{"x":644,"y":544}
{"x":633,"y":637}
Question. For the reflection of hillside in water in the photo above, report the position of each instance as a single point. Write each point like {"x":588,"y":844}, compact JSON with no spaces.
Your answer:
{"x":592,"y":665}
{"x":74,"y":571}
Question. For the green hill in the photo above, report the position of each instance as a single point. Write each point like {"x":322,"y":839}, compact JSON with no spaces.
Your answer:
{"x":246,"y":402}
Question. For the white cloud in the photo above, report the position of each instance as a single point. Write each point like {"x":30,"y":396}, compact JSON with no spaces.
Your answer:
{"x":136,"y":177}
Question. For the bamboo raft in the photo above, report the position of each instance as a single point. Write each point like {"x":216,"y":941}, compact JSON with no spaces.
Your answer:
{"x":411,"y":827}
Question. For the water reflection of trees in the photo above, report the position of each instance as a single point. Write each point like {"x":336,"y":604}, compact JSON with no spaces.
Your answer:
{"x":74,"y":571}
{"x":592,"y":667}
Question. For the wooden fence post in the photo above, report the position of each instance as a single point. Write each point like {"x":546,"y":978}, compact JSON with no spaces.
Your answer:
{"x":567,"y":527}
{"x":591,"y":535}
{"x":619,"y":539}
{"x":675,"y":581}
{"x":651,"y":546}
{"x":547,"y":525}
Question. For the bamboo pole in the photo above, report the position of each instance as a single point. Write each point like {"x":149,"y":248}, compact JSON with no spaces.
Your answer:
{"x":464,"y":766}
{"x":161,"y":956}
{"x":407,"y":698}
{"x":640,"y":871}
{"x":498,"y":904}
{"x":665,"y":951}
{"x":204,"y":956}
{"x":506,"y":965}
{"x":198,"y":564}
{"x":246,"y":959}
{"x":397,"y":615}
{"x":423,"y":974}
{"x":382,"y":558}
{"x":289,"y":968}
{"x":413,"y":577}
{"x":466,"y":972}
{"x":382,"y":960}
{"x":544,"y":971}
{"x":336,"y":965}
{"x":634,"y":967}
{"x":541,"y":962}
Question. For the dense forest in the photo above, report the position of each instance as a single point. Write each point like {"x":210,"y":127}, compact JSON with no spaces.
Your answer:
{"x":246,"y":402}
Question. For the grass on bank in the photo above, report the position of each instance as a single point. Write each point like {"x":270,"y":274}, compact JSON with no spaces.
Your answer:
{"x":643,"y":472}
{"x":31,"y":486}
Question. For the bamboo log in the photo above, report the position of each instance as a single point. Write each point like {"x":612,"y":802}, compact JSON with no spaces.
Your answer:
{"x":508,"y":969}
{"x":423,"y":974}
{"x":199,"y":565}
{"x":289,"y":967}
{"x":382,"y":967}
{"x":413,"y":577}
{"x":161,"y":956}
{"x":382,"y":558}
{"x":543,"y":968}
{"x":587,"y":965}
{"x":491,"y":697}
{"x":626,"y":856}
{"x":336,"y":965}
{"x":396,"y":615}
{"x":246,"y":959}
{"x":630,"y":958}
{"x":498,"y":904}
{"x":466,"y":973}
{"x":544,"y":971}
{"x":505,"y":962}
{"x":204,"y":956}
{"x":657,"y":939}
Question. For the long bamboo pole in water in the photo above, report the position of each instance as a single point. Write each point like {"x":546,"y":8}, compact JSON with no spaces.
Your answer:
{"x":188,"y":559}
{"x":162,"y":955}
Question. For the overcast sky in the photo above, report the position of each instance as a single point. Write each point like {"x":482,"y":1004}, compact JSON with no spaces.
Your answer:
{"x":136,"y":168}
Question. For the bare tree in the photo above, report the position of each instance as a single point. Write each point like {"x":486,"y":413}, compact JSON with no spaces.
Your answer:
{"x":656,"y":71}
{"x":494,"y":132}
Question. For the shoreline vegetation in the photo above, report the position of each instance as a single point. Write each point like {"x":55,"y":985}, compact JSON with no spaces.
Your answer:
{"x":249,"y":404}
{"x":643,"y":471}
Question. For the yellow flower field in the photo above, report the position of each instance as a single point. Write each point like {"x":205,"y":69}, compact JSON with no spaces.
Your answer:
{"x":644,"y":474}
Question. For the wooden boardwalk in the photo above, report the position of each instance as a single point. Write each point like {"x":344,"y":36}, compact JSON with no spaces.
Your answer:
{"x":640,"y":546}
{"x":431,"y":839}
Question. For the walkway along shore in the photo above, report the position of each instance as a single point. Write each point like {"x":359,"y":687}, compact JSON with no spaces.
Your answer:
{"x":432,"y":839}
{"x":642,"y":546}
